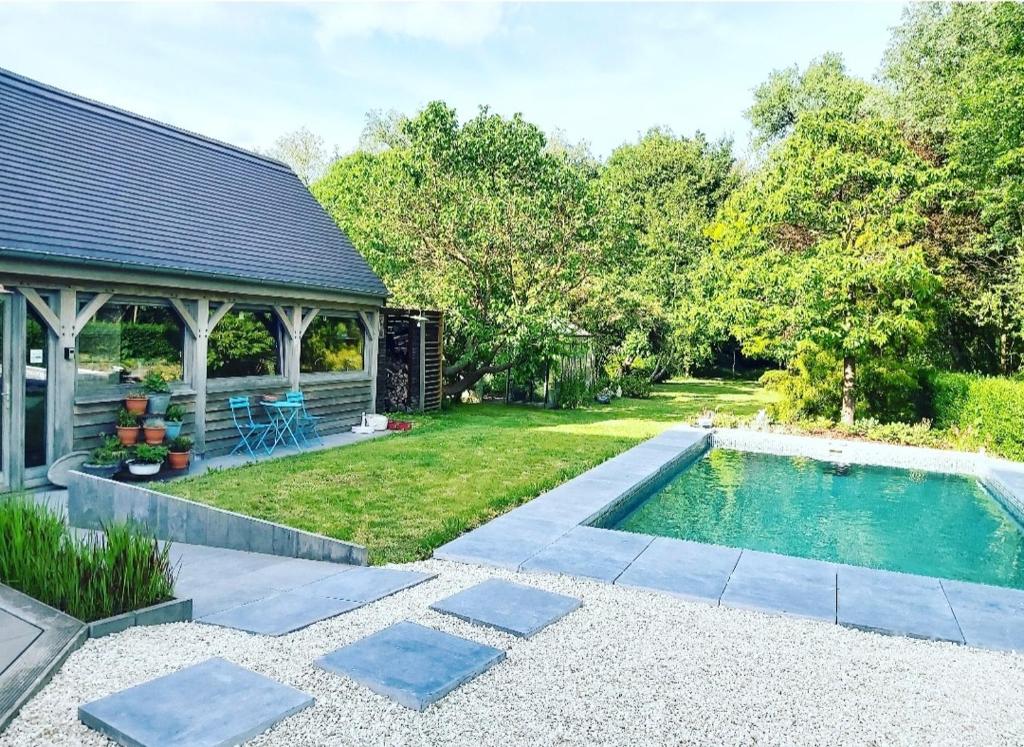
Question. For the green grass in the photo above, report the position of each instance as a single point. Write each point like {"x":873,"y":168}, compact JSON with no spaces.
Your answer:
{"x":90,"y":579}
{"x":407,"y":494}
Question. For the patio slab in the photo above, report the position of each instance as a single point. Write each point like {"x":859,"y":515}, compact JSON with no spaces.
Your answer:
{"x":587,"y":551}
{"x":511,"y":608}
{"x":690,"y":570}
{"x":505,"y":542}
{"x":280,"y":614}
{"x":989,"y":616}
{"x":780,"y":583}
{"x":895,"y":603}
{"x":209,"y":704}
{"x":411,"y":664}
{"x":365,"y":584}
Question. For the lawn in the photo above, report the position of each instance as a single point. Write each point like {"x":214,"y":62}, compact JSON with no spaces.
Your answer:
{"x":405,"y":495}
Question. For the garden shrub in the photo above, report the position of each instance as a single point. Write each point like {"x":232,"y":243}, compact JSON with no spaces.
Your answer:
{"x":636,"y":385}
{"x":573,"y":390}
{"x":124,"y":569}
{"x":987,"y":410}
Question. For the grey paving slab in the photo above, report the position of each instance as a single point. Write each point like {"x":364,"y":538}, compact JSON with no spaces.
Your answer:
{"x":989,"y":616}
{"x":780,"y":583}
{"x":293,"y":573}
{"x":505,"y":542}
{"x":895,"y":603}
{"x":513,"y":608}
{"x":587,"y":551}
{"x":411,"y":664}
{"x":280,"y":614}
{"x":690,"y":570}
{"x":209,"y":704}
{"x":12,"y":626}
{"x":12,"y":648}
{"x":366,"y":584}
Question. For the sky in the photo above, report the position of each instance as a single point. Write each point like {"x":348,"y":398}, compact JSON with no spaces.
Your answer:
{"x":603,"y":73}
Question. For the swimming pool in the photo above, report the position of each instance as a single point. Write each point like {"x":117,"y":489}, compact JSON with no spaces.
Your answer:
{"x":926,"y":523}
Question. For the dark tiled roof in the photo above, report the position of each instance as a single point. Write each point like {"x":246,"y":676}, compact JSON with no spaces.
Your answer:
{"x":85,"y":181}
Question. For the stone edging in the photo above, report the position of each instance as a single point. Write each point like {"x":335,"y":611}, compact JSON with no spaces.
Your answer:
{"x":171,"y":611}
{"x":96,"y":501}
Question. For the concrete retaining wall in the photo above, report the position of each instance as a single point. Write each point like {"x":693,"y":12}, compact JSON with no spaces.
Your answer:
{"x":95,"y":501}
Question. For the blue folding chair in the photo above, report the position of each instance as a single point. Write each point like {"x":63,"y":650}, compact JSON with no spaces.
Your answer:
{"x":307,"y":423}
{"x":253,"y":435}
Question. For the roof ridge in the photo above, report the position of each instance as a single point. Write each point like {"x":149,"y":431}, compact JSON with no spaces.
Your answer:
{"x":43,"y":89}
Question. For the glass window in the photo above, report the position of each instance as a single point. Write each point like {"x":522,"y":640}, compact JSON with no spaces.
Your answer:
{"x":125,"y":341}
{"x":246,"y":342}
{"x":332,"y":343}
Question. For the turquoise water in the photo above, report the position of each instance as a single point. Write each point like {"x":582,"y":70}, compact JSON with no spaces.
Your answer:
{"x":900,"y":520}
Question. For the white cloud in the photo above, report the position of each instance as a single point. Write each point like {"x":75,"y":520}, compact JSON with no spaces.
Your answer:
{"x":451,"y":23}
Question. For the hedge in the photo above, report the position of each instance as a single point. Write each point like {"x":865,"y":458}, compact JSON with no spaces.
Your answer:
{"x":988,"y":409}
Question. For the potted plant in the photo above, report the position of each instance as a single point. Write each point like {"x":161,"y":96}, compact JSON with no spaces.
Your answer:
{"x":153,"y":430}
{"x":135,"y":402}
{"x":178,"y":452}
{"x":105,"y":460}
{"x":159,"y":392}
{"x":175,"y":415}
{"x":146,"y":459}
{"x":127,"y":427}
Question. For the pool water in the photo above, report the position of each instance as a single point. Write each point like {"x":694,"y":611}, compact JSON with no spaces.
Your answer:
{"x":901,"y":520}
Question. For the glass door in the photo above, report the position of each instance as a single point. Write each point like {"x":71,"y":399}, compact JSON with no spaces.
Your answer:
{"x":5,"y":393}
{"x":36,"y":416}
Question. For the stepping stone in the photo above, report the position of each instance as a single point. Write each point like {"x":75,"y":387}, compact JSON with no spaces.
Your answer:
{"x":212,"y":703}
{"x":779,"y":583}
{"x":511,"y":608}
{"x":366,"y":584}
{"x":601,"y":554}
{"x":989,"y":616}
{"x":895,"y":603}
{"x":413,"y":665}
{"x":280,"y":614}
{"x":691,"y":570}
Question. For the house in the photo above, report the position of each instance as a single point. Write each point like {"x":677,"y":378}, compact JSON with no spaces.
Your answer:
{"x":129,"y":246}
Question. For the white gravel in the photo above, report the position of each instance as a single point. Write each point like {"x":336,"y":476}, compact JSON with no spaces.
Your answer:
{"x":628,"y":668}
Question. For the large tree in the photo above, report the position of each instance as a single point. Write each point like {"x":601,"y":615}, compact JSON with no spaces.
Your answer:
{"x":657,"y":197}
{"x":480,"y":219}
{"x":823,"y":247}
{"x":956,"y":72}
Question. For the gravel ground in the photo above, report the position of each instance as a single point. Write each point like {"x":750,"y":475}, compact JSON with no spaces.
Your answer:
{"x":628,"y":668}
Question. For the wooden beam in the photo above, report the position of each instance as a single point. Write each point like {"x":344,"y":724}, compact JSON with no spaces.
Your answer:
{"x":185,"y":315}
{"x":307,"y":320}
{"x":373,"y":352}
{"x":64,"y":373}
{"x":216,"y":316}
{"x":199,"y":348}
{"x":86,"y":314}
{"x":370,"y":322}
{"x":42,"y":308}
{"x":286,"y":319}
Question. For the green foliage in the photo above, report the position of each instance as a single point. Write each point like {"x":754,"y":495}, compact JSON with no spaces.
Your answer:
{"x":126,"y":420}
{"x":155,"y":383}
{"x":572,"y":390}
{"x":146,"y":454}
{"x":180,"y":445}
{"x":988,"y":409}
{"x":636,"y":385}
{"x":110,"y":452}
{"x":241,"y":345}
{"x":125,"y":340}
{"x":332,"y":344}
{"x":123,"y":570}
{"x":480,"y":219}
{"x":175,"y":413}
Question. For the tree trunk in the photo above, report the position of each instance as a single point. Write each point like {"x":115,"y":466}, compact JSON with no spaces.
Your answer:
{"x":849,"y":395}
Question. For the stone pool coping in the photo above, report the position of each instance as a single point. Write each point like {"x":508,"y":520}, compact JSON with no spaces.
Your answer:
{"x":553,"y":533}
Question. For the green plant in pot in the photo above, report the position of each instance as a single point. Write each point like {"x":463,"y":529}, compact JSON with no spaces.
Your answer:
{"x":153,"y":430}
{"x":146,"y":459}
{"x":173,"y":419}
{"x":159,"y":392}
{"x":135,"y":402}
{"x":127,"y":427}
{"x":105,"y":460}
{"x":178,"y":452}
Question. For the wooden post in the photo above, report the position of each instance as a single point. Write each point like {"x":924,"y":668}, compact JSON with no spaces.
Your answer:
{"x":374,"y":352}
{"x":423,"y":363}
{"x":64,"y":371}
{"x":200,"y":345}
{"x":295,"y":351}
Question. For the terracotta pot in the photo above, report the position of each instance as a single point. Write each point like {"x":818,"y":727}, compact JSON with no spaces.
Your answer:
{"x":154,"y":436}
{"x":178,"y":459}
{"x":129,"y":435}
{"x":136,"y":405}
